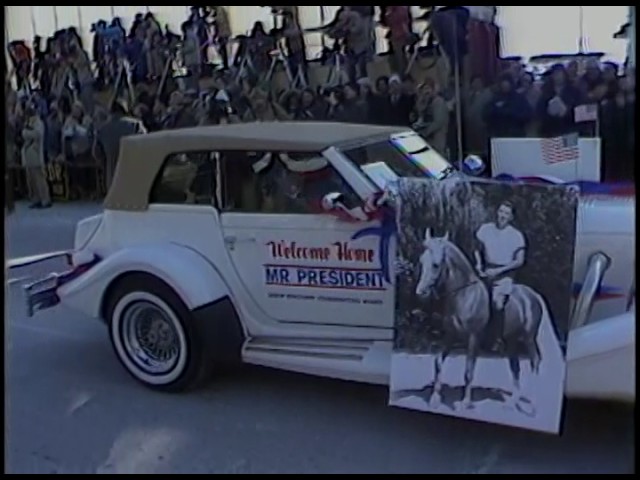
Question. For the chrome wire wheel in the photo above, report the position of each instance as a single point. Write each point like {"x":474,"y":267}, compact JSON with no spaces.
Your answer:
{"x":149,"y":338}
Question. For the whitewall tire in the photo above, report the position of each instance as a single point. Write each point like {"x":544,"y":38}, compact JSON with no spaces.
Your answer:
{"x":153,"y":335}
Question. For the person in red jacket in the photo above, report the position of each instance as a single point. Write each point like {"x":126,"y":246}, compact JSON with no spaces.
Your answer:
{"x":398,"y":20}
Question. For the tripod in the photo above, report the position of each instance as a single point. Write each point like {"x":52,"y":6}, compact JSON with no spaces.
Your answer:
{"x":246,"y":63}
{"x":337,"y":76}
{"x":279,"y":57}
{"x":165,"y":76}
{"x":123,"y":79}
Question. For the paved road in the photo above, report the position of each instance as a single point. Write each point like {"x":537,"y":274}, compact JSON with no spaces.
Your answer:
{"x":72,"y":409}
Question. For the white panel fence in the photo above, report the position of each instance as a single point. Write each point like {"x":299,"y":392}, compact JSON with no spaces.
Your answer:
{"x":524,"y":157}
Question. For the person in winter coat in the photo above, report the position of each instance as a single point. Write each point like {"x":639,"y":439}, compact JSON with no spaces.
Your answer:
{"x":357,"y":37}
{"x":347,"y":107}
{"x":33,"y":159}
{"x":556,"y":108}
{"x":508,"y":113}
{"x":191,"y":49}
{"x":433,"y":117}
{"x":398,"y":19}
{"x":109,"y":136}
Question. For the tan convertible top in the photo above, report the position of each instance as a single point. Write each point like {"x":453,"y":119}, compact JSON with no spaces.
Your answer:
{"x":142,"y":156}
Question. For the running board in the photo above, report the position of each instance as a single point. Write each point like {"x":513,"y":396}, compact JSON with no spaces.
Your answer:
{"x":359,"y":361}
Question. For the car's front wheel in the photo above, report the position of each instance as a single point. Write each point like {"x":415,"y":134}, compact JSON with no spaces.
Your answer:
{"x":154,"y":337}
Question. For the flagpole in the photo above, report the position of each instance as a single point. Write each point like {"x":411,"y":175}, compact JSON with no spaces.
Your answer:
{"x":458,"y":94}
{"x":581,"y":44}
{"x":323,"y":19}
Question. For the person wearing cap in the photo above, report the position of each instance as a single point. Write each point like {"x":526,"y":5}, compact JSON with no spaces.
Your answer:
{"x":400,"y":104}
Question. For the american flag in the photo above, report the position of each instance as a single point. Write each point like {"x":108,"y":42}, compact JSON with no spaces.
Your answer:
{"x":586,"y":113}
{"x":561,"y":149}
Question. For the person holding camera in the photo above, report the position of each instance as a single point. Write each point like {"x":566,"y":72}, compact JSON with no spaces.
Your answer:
{"x":296,"y":47}
{"x":223,"y":33}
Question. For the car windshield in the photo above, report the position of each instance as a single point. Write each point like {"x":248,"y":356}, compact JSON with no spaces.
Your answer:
{"x":405,"y":155}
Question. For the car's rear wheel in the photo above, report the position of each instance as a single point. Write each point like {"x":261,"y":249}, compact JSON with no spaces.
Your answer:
{"x":153,"y":335}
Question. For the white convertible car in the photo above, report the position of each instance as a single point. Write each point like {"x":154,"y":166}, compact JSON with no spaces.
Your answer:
{"x":199,"y":222}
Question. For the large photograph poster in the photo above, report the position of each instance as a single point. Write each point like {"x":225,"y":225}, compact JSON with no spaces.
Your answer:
{"x":484,"y":298}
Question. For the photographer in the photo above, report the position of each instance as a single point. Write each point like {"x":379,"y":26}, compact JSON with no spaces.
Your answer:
{"x":398,"y":20}
{"x":136,"y":53}
{"x":81,"y":65}
{"x":223,"y":33}
{"x":295,"y":44}
{"x":368,"y":13}
{"x":351,"y":27}
{"x":197,"y":19}
{"x":157,"y":55}
{"x":259,"y":46}
{"x":99,"y":50}
{"x":191,"y":51}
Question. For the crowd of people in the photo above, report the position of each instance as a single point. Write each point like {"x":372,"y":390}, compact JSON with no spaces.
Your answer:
{"x":154,"y":79}
{"x":598,"y":101}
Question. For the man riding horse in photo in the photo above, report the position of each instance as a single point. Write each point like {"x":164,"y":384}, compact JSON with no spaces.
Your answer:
{"x":502,"y":253}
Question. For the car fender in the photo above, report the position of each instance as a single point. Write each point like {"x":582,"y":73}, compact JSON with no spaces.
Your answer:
{"x":192,"y":276}
{"x":601,"y":358}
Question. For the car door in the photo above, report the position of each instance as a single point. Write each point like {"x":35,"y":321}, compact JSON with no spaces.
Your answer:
{"x":300,"y":264}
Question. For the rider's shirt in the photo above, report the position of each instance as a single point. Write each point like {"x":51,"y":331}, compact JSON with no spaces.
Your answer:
{"x":500,"y":246}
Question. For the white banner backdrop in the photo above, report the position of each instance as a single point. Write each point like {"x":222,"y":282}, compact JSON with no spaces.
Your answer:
{"x":520,"y":34}
{"x":525,"y":157}
{"x":23,"y":22}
